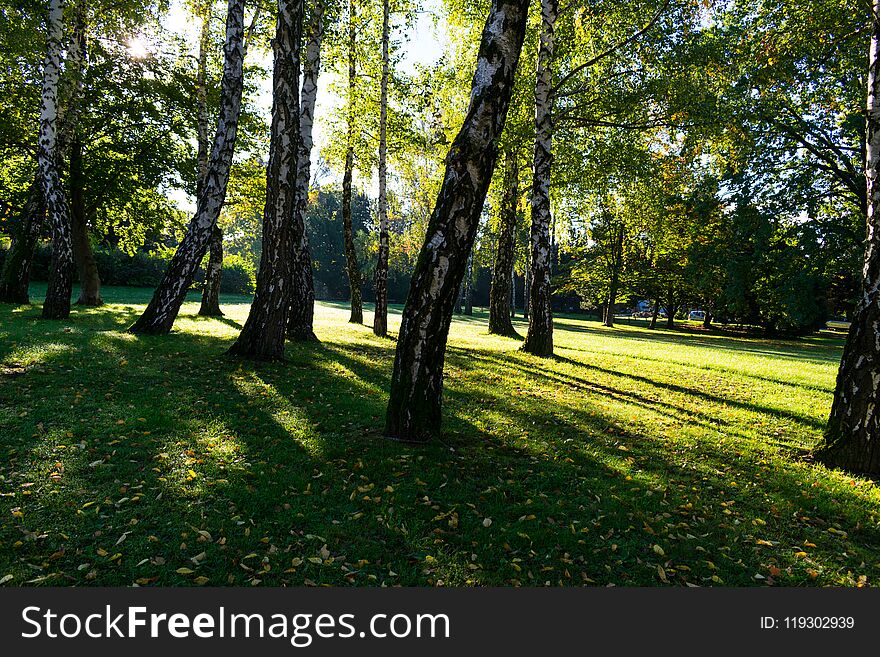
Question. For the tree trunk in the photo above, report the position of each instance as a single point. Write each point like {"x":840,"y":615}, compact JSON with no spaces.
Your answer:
{"x":83,"y":255}
{"x":707,"y":320}
{"x":671,"y":309}
{"x":503,"y":287}
{"x":214,"y":271}
{"x":655,"y":313}
{"x":57,"y":303}
{"x":302,"y":303}
{"x":512,"y":296}
{"x":380,"y":318}
{"x":15,"y":277}
{"x":213,"y":276}
{"x":352,"y":268}
{"x":527,"y":287}
{"x":616,"y":262}
{"x":539,"y":339}
{"x":163,"y":308}
{"x":262,"y":337}
{"x":414,"y":405}
{"x":853,"y":432}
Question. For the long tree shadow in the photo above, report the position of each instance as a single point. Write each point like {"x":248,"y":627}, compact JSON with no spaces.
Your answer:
{"x":283,"y":467}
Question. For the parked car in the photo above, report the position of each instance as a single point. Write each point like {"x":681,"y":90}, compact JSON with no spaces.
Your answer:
{"x":697,"y":315}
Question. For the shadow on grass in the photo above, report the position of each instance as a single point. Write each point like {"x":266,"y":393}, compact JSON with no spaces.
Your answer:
{"x":276,"y":461}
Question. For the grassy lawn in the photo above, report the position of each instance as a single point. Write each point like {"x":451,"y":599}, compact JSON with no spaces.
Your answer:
{"x":635,"y":457}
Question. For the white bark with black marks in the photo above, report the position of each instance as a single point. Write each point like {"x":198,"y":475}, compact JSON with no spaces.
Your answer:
{"x":214,"y":270}
{"x":57,"y":304}
{"x":380,"y":317}
{"x":853,"y":432}
{"x":352,"y":268}
{"x":414,"y":406}
{"x":263,"y":334}
{"x":163,"y":308}
{"x":539,"y":340}
{"x":300,"y":325}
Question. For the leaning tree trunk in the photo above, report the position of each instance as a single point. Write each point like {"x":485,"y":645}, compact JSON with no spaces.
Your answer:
{"x":502,"y":294}
{"x":57,"y":304}
{"x":300,"y":324}
{"x":380,"y":316}
{"x":214,"y":271}
{"x":163,"y":308}
{"x":853,"y":432}
{"x":414,"y":406}
{"x":83,"y":255}
{"x":15,"y":276}
{"x":539,"y":339}
{"x":262,"y":337}
{"x":352,"y":269}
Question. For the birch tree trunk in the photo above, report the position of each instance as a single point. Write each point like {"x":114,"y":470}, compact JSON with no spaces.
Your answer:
{"x":262,"y":337}
{"x":163,"y":308}
{"x":15,"y":276}
{"x":853,"y":432}
{"x":70,"y":147}
{"x":352,"y":269}
{"x":300,"y":325}
{"x":502,"y":294}
{"x":214,"y":271}
{"x":414,"y":406}
{"x":57,"y":304}
{"x":539,"y":339}
{"x":380,"y":317}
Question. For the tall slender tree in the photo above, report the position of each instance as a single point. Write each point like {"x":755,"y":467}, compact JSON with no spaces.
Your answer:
{"x":380,"y":316}
{"x":501,"y":299}
{"x":57,"y":304}
{"x":300,"y":325}
{"x":159,"y":316}
{"x":72,"y":147}
{"x":262,"y":336}
{"x":539,"y":339}
{"x":352,"y":268}
{"x":853,"y":432}
{"x":211,"y":292}
{"x":414,"y":406}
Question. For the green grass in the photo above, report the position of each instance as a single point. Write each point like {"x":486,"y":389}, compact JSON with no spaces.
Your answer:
{"x":635,"y":457}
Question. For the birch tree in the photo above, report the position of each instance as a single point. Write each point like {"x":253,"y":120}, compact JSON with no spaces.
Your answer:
{"x":159,"y":316}
{"x":352,"y":268}
{"x":853,"y":430}
{"x":211,"y":292}
{"x":57,"y":303}
{"x":380,"y":316}
{"x":302,"y":292}
{"x":262,"y":336}
{"x":414,"y":406}
{"x":539,"y":339}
